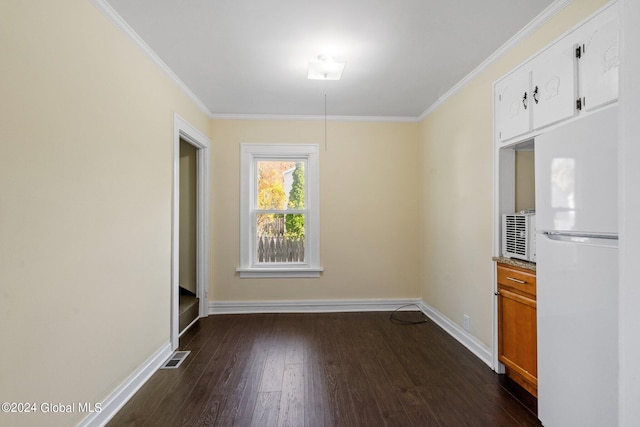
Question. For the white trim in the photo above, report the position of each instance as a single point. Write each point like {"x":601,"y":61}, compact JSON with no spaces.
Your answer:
{"x":256,"y":273}
{"x":121,"y":24}
{"x":183,"y":130}
{"x":191,"y":324}
{"x":309,"y":306}
{"x":249,"y":154}
{"x":294,"y":117}
{"x":503,"y":201}
{"x":466,"y":339}
{"x":125,"y":391}
{"x":551,"y":10}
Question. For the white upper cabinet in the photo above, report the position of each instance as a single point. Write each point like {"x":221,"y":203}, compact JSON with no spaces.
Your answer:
{"x":513,"y":104}
{"x":553,"y":86}
{"x":577,"y":73}
{"x":599,"y":61}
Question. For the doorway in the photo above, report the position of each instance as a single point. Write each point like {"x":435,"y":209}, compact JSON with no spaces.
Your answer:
{"x":188,"y":302}
{"x":190,"y":228}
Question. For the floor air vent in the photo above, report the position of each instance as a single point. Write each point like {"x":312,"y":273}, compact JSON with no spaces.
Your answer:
{"x":175,"y":360}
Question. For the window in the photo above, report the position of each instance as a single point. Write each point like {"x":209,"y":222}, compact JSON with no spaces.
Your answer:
{"x":279,"y":211}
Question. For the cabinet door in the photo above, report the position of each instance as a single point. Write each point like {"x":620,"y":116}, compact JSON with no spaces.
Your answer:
{"x":599,"y":62}
{"x":553,"y":85}
{"x":517,"y":334}
{"x":513,"y":105}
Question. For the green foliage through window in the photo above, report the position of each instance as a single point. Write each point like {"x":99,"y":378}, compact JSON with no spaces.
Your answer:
{"x":294,"y":223}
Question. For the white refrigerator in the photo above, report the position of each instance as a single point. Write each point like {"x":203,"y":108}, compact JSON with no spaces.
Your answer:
{"x":576,"y":169}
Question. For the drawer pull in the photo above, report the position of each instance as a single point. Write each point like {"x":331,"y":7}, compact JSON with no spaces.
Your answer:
{"x":517,"y":280}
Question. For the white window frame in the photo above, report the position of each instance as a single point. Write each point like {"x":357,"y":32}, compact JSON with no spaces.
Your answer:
{"x":250,"y":154}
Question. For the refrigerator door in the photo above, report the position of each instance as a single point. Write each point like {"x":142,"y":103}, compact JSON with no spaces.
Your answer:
{"x":576,"y":175}
{"x":577,"y":330}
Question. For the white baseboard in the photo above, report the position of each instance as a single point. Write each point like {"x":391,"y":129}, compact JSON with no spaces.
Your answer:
{"x":474,"y":345}
{"x":121,"y":395}
{"x":320,"y":306}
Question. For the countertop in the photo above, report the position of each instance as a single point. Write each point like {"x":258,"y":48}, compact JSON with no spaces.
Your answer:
{"x":515,"y":262}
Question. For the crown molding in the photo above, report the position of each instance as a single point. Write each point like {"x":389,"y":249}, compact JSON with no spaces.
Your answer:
{"x":120,"y":23}
{"x":544,"y":16}
{"x":314,"y":118}
{"x":540,"y":20}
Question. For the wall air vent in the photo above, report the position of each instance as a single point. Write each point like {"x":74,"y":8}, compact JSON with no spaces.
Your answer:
{"x":175,"y":360}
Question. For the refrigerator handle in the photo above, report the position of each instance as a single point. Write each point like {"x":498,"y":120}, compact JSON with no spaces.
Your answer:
{"x":586,"y":238}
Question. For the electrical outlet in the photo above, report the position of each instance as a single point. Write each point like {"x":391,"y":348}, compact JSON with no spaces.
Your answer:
{"x":467,"y":323}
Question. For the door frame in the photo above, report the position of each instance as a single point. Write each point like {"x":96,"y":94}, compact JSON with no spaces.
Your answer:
{"x":184,"y":131}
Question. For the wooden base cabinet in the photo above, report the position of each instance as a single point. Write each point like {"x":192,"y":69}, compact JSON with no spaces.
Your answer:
{"x":517,"y":325}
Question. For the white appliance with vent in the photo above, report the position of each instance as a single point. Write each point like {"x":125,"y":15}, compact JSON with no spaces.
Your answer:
{"x":519,"y":236}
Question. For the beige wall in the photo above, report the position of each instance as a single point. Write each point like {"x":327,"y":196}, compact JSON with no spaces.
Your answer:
{"x":456,"y":144}
{"x":85,"y":203}
{"x":525,"y":180}
{"x":86,"y":140}
{"x":369,"y":187}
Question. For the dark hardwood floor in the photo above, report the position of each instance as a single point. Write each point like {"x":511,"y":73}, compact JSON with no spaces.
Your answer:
{"x":332,"y":369}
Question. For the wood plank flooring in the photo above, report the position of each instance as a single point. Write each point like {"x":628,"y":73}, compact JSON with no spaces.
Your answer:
{"x":329,"y":369}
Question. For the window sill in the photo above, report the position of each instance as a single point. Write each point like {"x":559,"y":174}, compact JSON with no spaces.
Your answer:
{"x":278,"y":272}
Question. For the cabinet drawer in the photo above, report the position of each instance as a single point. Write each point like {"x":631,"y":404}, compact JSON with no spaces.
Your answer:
{"x":518,"y":279}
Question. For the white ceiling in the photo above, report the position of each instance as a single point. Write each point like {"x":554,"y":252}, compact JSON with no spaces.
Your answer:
{"x":251,"y":57}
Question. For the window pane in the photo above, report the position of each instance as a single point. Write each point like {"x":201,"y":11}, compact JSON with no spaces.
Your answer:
{"x":279,"y":210}
{"x":280,"y":238}
{"x":280,"y":185}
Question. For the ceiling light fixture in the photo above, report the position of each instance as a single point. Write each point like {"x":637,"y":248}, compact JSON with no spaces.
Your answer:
{"x":325,"y":68}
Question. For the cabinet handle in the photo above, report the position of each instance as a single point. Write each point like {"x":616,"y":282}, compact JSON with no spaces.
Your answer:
{"x":535,"y":94}
{"x":517,"y":280}
{"x":524,"y":101}
{"x":496,"y":293}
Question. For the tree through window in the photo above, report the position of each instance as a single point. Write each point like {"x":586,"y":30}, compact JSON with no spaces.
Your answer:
{"x":280,"y":210}
{"x":280,"y":213}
